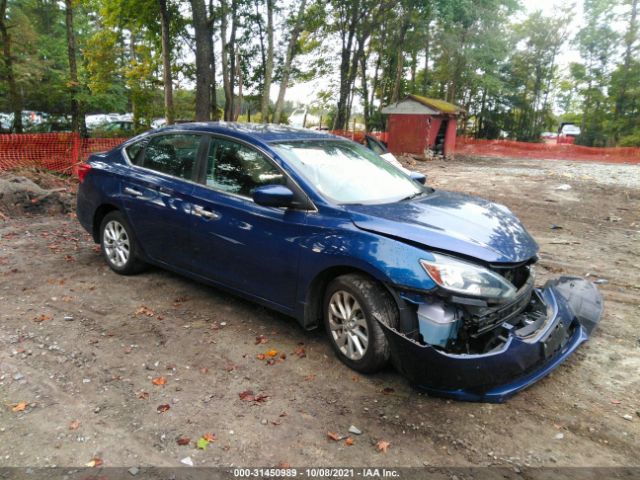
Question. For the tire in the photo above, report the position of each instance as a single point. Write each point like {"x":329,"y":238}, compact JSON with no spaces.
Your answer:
{"x":119,"y":246}
{"x":374,"y":304}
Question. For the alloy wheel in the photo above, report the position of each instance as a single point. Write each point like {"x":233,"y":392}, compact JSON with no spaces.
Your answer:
{"x":348,"y":325}
{"x":116,"y":243}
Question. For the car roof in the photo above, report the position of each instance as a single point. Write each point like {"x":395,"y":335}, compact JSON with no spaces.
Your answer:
{"x":264,"y":132}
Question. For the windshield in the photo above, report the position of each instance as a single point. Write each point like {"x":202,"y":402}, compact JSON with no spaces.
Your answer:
{"x":345,"y":172}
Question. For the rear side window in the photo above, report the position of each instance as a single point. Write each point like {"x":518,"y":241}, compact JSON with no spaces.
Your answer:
{"x":134,"y":152}
{"x":236,"y":168}
{"x":174,"y":154}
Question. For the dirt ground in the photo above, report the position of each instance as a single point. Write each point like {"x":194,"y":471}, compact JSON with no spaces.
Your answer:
{"x":80,"y":348}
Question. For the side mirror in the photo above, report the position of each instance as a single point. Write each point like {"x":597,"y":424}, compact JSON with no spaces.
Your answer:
{"x":273,"y":196}
{"x":418,"y":177}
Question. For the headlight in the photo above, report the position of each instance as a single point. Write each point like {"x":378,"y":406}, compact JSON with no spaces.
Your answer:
{"x":467,"y":278}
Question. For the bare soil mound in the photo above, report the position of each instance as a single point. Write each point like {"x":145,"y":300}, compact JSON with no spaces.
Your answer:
{"x":26,"y":192}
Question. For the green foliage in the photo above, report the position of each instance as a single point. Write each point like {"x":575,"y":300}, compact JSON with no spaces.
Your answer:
{"x":500,"y":66}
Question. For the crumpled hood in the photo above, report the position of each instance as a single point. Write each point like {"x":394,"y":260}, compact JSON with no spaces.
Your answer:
{"x":453,"y":222}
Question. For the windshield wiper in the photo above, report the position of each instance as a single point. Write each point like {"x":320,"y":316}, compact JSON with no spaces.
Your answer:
{"x":412,"y":196}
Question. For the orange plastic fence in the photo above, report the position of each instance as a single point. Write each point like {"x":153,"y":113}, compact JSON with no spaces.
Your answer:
{"x":547,"y":151}
{"x":60,"y":152}
{"x":359,"y":135}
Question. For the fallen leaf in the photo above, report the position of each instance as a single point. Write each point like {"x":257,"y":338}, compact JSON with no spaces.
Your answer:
{"x":19,"y":407}
{"x":209,"y":437}
{"x":144,"y":310}
{"x":143,"y":395}
{"x":260,"y":339}
{"x":616,"y":402}
{"x":383,"y":446}
{"x":300,"y":352}
{"x":283,"y":356}
{"x":202,"y":443}
{"x":310,"y":377}
{"x":41,"y":318}
{"x":94,"y":462}
{"x":261,"y":356}
{"x":74,"y":425}
{"x":183,"y":441}
{"x":204,"y":370}
{"x":247,"y":396}
{"x":159,"y":381}
{"x":229,"y":367}
{"x":387,"y":390}
{"x":349,"y":441}
{"x":334,"y":436}
{"x":284,"y":465}
{"x":272,"y":353}
{"x":163,"y":408}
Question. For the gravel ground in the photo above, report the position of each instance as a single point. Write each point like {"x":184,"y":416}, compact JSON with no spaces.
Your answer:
{"x":621,"y":175}
{"x":80,"y":348}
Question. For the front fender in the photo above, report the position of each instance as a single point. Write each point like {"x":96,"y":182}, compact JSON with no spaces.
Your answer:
{"x":343,"y":245}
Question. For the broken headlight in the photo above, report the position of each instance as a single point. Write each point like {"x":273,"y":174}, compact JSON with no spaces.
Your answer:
{"x":468,"y":279}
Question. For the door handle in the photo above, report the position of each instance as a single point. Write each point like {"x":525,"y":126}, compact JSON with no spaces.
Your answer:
{"x":200,"y":211}
{"x":166,"y":191}
{"x":133,"y":192}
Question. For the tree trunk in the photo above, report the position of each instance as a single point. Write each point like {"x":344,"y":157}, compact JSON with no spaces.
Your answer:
{"x":169,"y":112}
{"x":288,"y":61}
{"x":73,"y":67}
{"x":230,"y":107}
{"x":238,"y":105}
{"x":395,"y":93}
{"x":414,"y":68}
{"x":226,"y":78}
{"x":629,"y":39}
{"x":215,"y":112}
{"x":14,"y":97}
{"x":204,"y":49}
{"x":425,"y":78}
{"x":268,"y":69}
{"x":365,"y":92}
{"x":348,"y":36}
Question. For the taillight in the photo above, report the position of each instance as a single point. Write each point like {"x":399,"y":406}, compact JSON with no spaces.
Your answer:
{"x":83,"y":169}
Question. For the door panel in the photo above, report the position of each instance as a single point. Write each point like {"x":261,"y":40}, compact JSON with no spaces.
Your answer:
{"x":157,"y":197}
{"x":237,"y":242}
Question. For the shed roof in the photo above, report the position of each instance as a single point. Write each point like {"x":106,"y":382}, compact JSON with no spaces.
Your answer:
{"x":416,"y":104}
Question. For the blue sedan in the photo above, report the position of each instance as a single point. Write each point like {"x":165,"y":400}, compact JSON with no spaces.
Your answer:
{"x":326,"y":231}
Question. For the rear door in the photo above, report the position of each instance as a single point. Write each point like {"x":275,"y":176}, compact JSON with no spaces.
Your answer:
{"x":157,"y":195}
{"x":237,"y":242}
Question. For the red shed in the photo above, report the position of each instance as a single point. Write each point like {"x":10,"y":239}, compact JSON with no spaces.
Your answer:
{"x":416,"y":124}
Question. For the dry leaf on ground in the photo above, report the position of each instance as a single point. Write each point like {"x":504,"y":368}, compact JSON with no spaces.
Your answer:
{"x":383,"y":446}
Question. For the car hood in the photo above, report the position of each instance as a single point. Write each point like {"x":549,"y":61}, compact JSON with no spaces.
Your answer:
{"x":452,"y":222}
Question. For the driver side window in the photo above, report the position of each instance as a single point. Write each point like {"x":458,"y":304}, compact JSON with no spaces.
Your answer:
{"x":236,"y":168}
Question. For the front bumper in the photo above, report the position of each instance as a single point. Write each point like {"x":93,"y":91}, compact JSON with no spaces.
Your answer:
{"x":574,"y":307}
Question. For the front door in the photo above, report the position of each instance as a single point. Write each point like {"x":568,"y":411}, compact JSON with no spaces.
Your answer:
{"x":237,"y":242}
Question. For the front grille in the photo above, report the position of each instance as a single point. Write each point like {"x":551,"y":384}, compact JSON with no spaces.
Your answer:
{"x":487,"y":318}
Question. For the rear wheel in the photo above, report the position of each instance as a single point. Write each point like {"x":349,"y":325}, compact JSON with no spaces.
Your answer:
{"x":353,"y":305}
{"x":119,"y":246}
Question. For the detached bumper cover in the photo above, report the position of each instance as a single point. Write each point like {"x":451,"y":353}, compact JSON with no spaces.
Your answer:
{"x":574,"y":307}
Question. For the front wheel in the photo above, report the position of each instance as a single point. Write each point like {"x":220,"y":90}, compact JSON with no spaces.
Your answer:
{"x":119,"y":246}
{"x":353,"y":305}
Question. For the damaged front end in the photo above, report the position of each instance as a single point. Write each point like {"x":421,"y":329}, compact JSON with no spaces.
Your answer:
{"x":468,"y":348}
